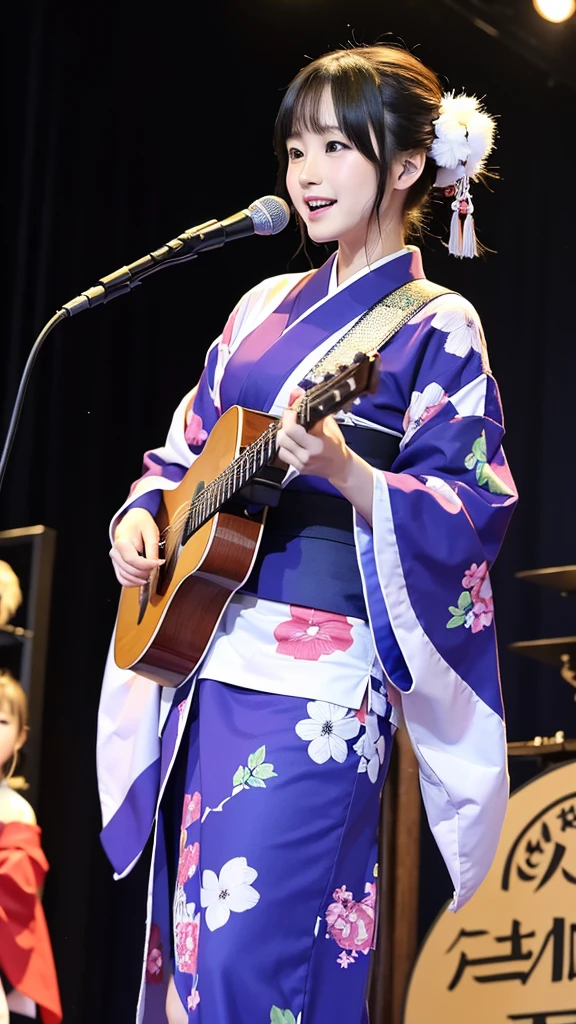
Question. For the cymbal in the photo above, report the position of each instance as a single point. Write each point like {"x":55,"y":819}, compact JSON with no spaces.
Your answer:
{"x":529,"y":748}
{"x":562,"y":577}
{"x":548,"y":651}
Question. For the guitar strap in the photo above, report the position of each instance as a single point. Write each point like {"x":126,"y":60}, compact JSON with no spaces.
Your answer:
{"x":377,"y":326}
{"x":316,"y":527}
{"x":371,"y":332}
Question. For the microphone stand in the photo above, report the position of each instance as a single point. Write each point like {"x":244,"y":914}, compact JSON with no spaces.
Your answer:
{"x":179,"y":250}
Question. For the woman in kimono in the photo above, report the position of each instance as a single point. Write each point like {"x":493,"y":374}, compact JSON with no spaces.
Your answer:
{"x":369,"y":604}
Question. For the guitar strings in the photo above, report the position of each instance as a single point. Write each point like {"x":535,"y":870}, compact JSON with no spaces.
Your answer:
{"x":204,"y":505}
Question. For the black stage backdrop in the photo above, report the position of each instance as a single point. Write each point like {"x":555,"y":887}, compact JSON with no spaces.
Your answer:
{"x":125,"y":125}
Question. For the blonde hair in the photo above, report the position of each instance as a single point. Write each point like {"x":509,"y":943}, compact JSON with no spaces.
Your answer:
{"x":10,"y":593}
{"x":13,"y":698}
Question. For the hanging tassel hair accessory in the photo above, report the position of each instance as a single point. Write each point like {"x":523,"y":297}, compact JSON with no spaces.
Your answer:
{"x":464,"y":139}
{"x":462,"y":241}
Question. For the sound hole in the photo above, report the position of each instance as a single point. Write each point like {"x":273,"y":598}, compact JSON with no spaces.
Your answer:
{"x":188,"y":531}
{"x":143,"y":600}
{"x":177,"y":534}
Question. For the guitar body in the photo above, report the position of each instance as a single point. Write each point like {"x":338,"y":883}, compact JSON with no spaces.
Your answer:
{"x":164,"y":628}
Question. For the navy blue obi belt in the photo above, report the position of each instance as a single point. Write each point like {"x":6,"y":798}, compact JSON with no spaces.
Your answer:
{"x":307,"y":556}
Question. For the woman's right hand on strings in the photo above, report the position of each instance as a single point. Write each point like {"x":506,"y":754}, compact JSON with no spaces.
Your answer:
{"x":134,"y":552}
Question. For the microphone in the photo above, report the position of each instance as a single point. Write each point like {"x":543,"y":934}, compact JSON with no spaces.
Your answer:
{"x":265,"y":216}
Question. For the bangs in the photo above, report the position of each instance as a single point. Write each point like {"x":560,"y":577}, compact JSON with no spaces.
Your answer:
{"x":305,"y":113}
{"x":7,"y":706}
{"x":357,"y":107}
{"x":13,"y":699}
{"x":385,"y":103}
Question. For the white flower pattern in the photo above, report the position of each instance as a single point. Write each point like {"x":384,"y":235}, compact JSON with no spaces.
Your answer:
{"x":435,"y":483}
{"x":328,"y":728}
{"x":232,"y":890}
{"x":423,"y":405}
{"x":371,"y":748}
{"x":462,"y":330}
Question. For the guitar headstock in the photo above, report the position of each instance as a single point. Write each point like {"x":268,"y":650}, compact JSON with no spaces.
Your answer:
{"x":341,"y":389}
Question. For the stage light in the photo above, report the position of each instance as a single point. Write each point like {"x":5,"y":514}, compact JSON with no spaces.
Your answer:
{"x":555,"y":10}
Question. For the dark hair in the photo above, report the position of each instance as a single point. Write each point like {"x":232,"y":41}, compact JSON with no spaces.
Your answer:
{"x":382,"y":90}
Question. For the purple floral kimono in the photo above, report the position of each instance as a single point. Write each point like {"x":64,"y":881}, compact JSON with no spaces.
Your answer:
{"x":263,"y":777}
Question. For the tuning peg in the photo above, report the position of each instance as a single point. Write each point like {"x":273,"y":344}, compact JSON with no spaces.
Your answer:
{"x":359,"y":357}
{"x":342,"y":367}
{"x":328,"y":376}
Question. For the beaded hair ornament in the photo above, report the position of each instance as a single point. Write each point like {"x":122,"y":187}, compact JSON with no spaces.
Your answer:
{"x":464,"y":139}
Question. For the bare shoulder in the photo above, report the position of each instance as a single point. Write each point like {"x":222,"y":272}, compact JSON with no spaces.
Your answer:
{"x":13,"y":807}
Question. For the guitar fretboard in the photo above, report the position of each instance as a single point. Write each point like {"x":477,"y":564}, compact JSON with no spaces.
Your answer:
{"x":224,"y":486}
{"x":316,"y":403}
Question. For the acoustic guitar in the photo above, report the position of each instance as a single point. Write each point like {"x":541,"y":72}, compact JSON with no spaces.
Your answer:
{"x":209,"y":537}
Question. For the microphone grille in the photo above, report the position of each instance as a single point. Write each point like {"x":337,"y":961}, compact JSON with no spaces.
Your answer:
{"x":270,"y":214}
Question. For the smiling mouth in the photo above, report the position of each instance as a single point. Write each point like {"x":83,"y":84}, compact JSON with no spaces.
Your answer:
{"x":319,"y":204}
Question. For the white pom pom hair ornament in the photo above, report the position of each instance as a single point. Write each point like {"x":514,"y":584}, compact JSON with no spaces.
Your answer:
{"x":464,"y":138}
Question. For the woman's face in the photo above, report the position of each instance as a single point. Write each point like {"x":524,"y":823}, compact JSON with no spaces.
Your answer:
{"x":11,"y":736}
{"x":331,"y":184}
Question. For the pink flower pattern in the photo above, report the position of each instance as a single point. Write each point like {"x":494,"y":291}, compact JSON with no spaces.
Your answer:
{"x":477,"y":581}
{"x":187,"y":946}
{"x":192,"y":809}
{"x":344,"y":959}
{"x":475,"y":609}
{"x":362,"y":712}
{"x":310,"y":634}
{"x":351,"y":923}
{"x":474,"y":575}
{"x":193,"y":999}
{"x":188,"y":862}
{"x":154,"y":960}
{"x":423,"y":406}
{"x":195,"y":434}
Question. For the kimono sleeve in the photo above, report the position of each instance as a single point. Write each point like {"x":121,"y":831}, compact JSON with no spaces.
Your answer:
{"x":128,"y":750}
{"x":439,"y":518}
{"x":197,"y":413}
{"x":128,"y":743}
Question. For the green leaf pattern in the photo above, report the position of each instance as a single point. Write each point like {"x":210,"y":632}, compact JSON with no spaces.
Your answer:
{"x":253,"y":776}
{"x":255,"y":772}
{"x":278,"y":1016}
{"x":257,"y":757}
{"x":478,"y":459}
{"x":459,"y":613}
{"x":250,"y":776}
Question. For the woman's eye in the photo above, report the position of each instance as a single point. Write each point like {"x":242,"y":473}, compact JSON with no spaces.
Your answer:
{"x":294,"y":154}
{"x":334,"y":146}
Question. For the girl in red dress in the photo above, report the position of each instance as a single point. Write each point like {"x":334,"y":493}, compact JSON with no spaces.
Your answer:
{"x":27,"y":974}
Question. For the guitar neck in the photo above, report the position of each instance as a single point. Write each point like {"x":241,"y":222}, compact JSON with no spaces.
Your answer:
{"x":327,"y":397}
{"x":227,"y":484}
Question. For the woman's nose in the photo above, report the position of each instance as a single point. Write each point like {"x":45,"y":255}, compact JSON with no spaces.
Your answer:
{"x":310,"y":171}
